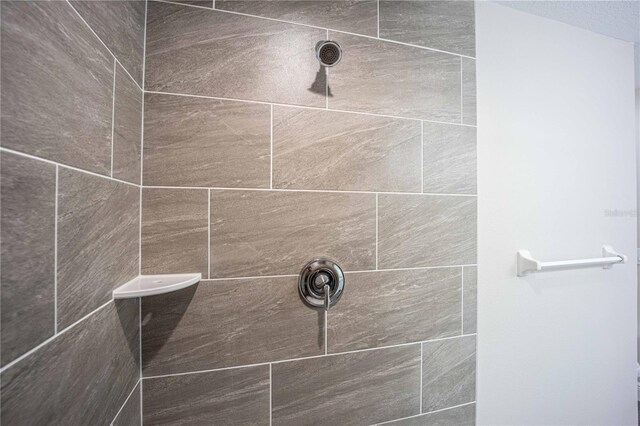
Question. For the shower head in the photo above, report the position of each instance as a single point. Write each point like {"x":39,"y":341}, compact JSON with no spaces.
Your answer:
{"x":328,"y":53}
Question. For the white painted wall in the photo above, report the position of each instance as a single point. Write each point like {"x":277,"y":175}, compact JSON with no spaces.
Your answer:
{"x":555,"y":151}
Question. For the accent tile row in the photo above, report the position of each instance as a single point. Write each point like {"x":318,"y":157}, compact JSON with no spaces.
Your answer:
{"x":351,"y":388}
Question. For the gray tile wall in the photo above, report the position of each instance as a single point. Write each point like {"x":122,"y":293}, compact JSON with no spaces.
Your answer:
{"x":255,"y":162}
{"x":70,"y":154}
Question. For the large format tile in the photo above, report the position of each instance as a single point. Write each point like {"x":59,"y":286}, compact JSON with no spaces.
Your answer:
{"x":206,"y":52}
{"x":426,"y":230}
{"x":239,"y":396}
{"x":98,"y":230}
{"x":354,"y":16}
{"x":469,"y":115}
{"x":444,"y":25}
{"x":470,"y":297}
{"x":28,"y":191}
{"x":458,"y":416}
{"x":127,"y":128}
{"x":355,"y":388}
{"x":315,"y":149}
{"x":120,"y":25}
{"x":448,"y":372}
{"x":449,"y":158}
{"x":389,"y":78}
{"x":205,"y":142}
{"x":174,"y":231}
{"x":129,"y":415}
{"x":45,"y":46}
{"x":276,"y":232}
{"x":82,"y":377}
{"x":228,"y":323}
{"x":394,"y":307}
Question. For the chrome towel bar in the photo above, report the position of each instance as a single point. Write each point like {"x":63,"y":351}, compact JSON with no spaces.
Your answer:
{"x":526,"y":264}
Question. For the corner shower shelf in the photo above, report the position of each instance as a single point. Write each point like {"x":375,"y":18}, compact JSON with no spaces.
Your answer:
{"x":150,"y":285}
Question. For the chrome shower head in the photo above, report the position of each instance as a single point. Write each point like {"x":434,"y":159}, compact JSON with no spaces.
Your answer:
{"x":328,"y":53}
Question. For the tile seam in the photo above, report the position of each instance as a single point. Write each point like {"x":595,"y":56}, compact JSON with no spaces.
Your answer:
{"x":253,"y":101}
{"x":283,"y":361}
{"x":325,"y":191}
{"x":346,"y":271}
{"x":55,"y":253}
{"x":113,"y":114}
{"x":462,"y":300}
{"x":104,"y":44}
{"x":209,"y":234}
{"x":26,"y":155}
{"x":428,"y":412}
{"x":125,"y":402}
{"x":52,"y":338}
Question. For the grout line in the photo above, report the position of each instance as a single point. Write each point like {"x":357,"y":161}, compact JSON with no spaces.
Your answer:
{"x":421,"y":362}
{"x":376,"y":232}
{"x":55,"y":254}
{"x":140,"y":350}
{"x":271,"y":148}
{"x":372,"y":114}
{"x":417,"y":268}
{"x":141,"y":402}
{"x":461,"y":300}
{"x":307,"y":190}
{"x":113,"y":114}
{"x":140,"y":334}
{"x":422,"y":156}
{"x":461,"y":95}
{"x":270,"y":395}
{"x":33,"y":157}
{"x":144,"y":44}
{"x":429,"y":412}
{"x":105,"y":46}
{"x":282,"y":361}
{"x":52,"y":338}
{"x":125,"y":401}
{"x":141,"y":186}
{"x":321,"y":28}
{"x":378,"y":16}
{"x":209,"y":233}
{"x":140,"y":234}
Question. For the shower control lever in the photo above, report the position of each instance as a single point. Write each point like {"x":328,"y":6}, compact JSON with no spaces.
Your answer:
{"x":327,"y":297}
{"x":321,"y":283}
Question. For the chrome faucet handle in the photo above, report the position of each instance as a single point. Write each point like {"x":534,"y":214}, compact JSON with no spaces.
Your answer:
{"x":321,"y":283}
{"x":327,"y":297}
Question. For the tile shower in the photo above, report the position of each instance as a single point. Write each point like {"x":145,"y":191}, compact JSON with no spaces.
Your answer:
{"x":230,"y":164}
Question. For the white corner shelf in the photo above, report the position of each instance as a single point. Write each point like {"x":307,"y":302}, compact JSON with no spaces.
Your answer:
{"x":150,"y":285}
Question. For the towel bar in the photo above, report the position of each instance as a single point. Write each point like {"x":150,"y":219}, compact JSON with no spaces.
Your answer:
{"x":527,"y":264}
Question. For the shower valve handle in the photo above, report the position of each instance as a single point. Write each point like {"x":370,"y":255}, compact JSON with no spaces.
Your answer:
{"x":327,"y":297}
